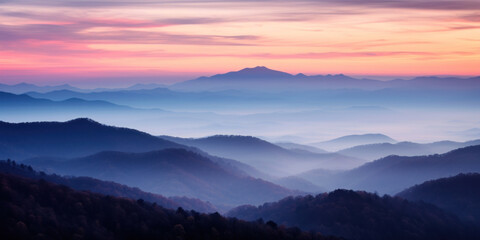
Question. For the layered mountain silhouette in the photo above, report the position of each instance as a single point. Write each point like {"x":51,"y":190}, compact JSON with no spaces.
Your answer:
{"x":360,"y":215}
{"x":26,"y":87}
{"x":379,"y":150}
{"x":152,"y":98}
{"x":83,"y":136}
{"x":170,"y":172}
{"x":260,"y":76}
{"x":252,"y":78}
{"x":393,"y":174}
{"x":75,"y":138}
{"x":105,"y":187}
{"x":24,"y":103}
{"x":260,"y":87}
{"x":264,"y":155}
{"x":353,"y":140}
{"x":37,"y":209}
{"x":459,"y":194}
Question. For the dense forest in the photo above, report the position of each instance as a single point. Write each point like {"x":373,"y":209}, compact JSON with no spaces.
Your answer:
{"x":459,"y":194}
{"x":37,"y":209}
{"x":106,"y":187}
{"x":361,"y":216}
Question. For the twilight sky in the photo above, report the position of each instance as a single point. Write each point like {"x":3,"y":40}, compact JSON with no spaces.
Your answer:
{"x":48,"y":41}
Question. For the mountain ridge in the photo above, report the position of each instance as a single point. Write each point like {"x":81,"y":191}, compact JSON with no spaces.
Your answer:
{"x":105,"y":187}
{"x":170,"y":172}
{"x":390,"y":175}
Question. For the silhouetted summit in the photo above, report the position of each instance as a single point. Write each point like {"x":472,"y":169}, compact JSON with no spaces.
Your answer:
{"x":256,"y":72}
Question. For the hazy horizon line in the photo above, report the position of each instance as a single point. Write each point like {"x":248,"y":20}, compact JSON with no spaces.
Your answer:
{"x":113,"y":81}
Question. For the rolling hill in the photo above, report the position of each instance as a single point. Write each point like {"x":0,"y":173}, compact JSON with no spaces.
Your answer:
{"x":170,"y":172}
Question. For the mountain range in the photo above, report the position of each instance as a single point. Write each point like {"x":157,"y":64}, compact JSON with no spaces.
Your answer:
{"x":265,"y":78}
{"x":98,"y":181}
{"x":61,"y":147}
{"x":260,"y":87}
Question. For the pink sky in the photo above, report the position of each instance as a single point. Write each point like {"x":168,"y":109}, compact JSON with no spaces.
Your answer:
{"x":51,"y":42}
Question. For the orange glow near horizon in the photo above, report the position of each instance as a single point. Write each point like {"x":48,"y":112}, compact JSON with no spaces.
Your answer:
{"x":208,"y":37}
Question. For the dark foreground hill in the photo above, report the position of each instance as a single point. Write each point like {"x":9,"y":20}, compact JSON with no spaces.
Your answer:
{"x":106,"y":188}
{"x":75,"y":138}
{"x":31,"y":209}
{"x":459,"y":195}
{"x":361,"y":215}
{"x":170,"y":172}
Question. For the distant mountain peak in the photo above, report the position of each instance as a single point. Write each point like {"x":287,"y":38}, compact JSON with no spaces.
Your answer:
{"x":255,"y":72}
{"x":367,"y":135}
{"x":83,"y":120}
{"x":300,"y":75}
{"x":259,"y":68}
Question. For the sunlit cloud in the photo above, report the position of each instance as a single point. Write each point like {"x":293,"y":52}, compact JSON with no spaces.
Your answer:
{"x":326,"y":36}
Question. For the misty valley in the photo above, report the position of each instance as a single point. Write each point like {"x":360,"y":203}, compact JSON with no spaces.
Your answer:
{"x":249,"y":154}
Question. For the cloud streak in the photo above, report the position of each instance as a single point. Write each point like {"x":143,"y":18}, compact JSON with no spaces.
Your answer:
{"x":402,"y":4}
